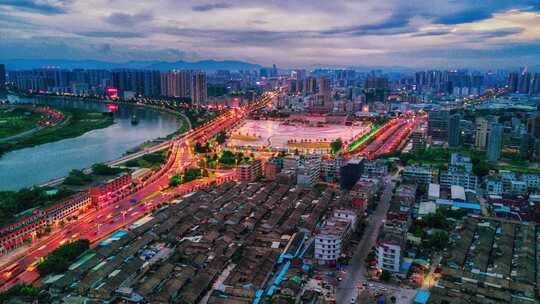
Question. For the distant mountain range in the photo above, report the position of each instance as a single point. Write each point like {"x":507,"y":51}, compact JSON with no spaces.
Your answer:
{"x":205,"y":65}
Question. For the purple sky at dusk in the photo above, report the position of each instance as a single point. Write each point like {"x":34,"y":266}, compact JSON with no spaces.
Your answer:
{"x":412,"y":33}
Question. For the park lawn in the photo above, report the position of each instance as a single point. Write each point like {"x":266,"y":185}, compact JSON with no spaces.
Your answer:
{"x":15,"y":122}
{"x":76,"y":123}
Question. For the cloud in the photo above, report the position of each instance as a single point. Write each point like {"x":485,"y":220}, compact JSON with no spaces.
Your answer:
{"x":128,"y":20}
{"x":397,"y":23}
{"x":297,"y":33}
{"x":503,"y":32}
{"x":37,"y":6}
{"x":210,"y":7}
{"x":432,"y":33}
{"x":113,"y":34}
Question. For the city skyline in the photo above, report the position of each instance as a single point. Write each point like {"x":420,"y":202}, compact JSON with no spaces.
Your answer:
{"x":495,"y":34}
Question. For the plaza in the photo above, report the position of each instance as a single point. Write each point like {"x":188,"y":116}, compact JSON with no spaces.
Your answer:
{"x":284,"y":135}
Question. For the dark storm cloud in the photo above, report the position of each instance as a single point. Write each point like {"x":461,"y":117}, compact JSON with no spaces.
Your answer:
{"x":39,"y":7}
{"x":210,"y":6}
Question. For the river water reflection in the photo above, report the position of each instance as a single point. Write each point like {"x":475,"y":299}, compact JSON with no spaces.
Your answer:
{"x":36,"y":165}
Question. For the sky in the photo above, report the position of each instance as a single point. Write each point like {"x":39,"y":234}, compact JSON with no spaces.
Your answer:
{"x":406,"y":33}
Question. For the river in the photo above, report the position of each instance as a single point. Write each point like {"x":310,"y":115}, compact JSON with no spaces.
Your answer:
{"x":39,"y":164}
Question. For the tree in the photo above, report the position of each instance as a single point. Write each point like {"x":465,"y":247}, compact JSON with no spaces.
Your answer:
{"x":103,"y":169}
{"x":221,"y":137}
{"x":386,"y":276}
{"x":336,"y":145}
{"x":191,"y":174}
{"x":59,"y":259}
{"x":78,"y":178}
{"x":174,"y":181}
{"x":480,"y":166}
{"x":438,"y":240}
{"x":25,"y":291}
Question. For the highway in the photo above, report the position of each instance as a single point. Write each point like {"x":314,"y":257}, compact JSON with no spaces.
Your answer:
{"x":98,"y":223}
{"x":385,"y":139}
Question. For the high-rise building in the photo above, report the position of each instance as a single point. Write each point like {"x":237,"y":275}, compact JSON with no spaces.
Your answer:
{"x":513,"y":81}
{"x":176,"y":83}
{"x":199,"y":89}
{"x":482,"y":130}
{"x":325,"y":92}
{"x":495,"y":142}
{"x":524,"y":83}
{"x":298,"y":74}
{"x":454,"y":138}
{"x":438,"y":125}
{"x":536,"y":84}
{"x":525,"y":145}
{"x":418,"y":139}
{"x":533,"y":125}
{"x":310,"y":85}
{"x":151,"y":83}
{"x":2,"y":78}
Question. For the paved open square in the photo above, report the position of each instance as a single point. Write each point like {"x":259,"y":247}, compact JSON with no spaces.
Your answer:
{"x":285,"y":135}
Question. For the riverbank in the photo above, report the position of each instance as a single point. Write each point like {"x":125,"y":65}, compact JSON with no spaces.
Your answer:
{"x":16,"y":120}
{"x":75,"y":123}
{"x":188,"y":121}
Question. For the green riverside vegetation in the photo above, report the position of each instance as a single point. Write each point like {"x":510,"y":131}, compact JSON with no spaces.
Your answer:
{"x":17,"y":120}
{"x":152,"y":160}
{"x":79,"y":178}
{"x":75,"y":123}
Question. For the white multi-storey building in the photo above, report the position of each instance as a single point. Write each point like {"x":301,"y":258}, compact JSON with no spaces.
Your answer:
{"x":458,"y":178}
{"x":329,"y":240}
{"x":389,"y":252}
